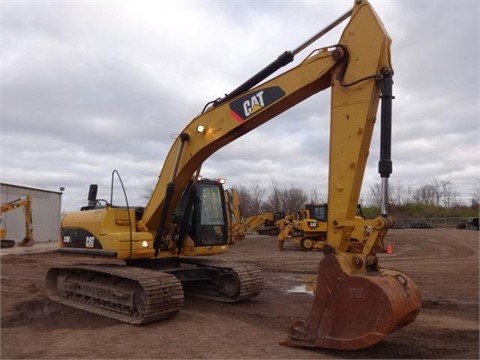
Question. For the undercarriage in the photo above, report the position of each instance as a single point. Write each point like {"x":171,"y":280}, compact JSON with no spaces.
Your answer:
{"x":150,"y":290}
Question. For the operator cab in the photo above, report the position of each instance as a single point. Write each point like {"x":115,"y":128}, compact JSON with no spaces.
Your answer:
{"x":317,"y":212}
{"x":201,"y":213}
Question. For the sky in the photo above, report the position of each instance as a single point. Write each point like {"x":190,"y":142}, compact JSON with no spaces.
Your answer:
{"x":89,"y":87}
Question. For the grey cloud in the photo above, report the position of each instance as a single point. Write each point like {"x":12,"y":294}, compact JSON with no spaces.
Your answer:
{"x":89,"y":87}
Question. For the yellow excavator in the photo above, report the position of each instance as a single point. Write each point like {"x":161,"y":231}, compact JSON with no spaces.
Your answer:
{"x":264,"y":223}
{"x":26,"y":203}
{"x":236,"y":228}
{"x":356,"y":303}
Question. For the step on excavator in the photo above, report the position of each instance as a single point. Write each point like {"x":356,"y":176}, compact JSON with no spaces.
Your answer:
{"x":356,"y":304}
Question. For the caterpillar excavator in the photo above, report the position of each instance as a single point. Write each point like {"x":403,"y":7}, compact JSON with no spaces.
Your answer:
{"x":264,"y":223}
{"x":356,"y":304}
{"x":26,"y":203}
{"x":236,"y":229}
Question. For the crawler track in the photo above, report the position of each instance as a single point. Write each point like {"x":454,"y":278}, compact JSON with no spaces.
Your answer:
{"x":131,"y":295}
{"x":231,"y":282}
{"x":7,"y":244}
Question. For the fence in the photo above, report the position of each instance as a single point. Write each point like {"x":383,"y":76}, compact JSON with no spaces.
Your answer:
{"x":428,"y":223}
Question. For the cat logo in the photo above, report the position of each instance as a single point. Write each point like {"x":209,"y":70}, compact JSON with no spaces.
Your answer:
{"x":248,"y":105}
{"x":254,"y":104}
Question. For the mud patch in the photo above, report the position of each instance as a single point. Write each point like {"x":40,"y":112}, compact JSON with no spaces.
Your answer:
{"x":47,"y":314}
{"x":30,"y":311}
{"x":447,"y":326}
{"x":439,"y":305}
{"x":435,"y":343}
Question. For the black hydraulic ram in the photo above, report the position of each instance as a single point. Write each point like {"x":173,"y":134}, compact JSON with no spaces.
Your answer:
{"x":284,"y":59}
{"x":385,"y":164}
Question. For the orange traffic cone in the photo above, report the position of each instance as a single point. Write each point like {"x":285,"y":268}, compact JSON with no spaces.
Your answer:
{"x":389,"y":249}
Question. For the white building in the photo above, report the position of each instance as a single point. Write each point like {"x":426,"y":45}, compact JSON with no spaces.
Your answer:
{"x":46,"y":209}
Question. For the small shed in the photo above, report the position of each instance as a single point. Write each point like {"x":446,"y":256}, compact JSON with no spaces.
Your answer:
{"x":46,"y":211}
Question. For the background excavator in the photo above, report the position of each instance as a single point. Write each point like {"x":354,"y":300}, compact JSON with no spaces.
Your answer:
{"x":26,"y":203}
{"x":264,"y":223}
{"x":356,"y":303}
{"x":236,"y":228}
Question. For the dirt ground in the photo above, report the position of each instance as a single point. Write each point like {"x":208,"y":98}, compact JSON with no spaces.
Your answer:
{"x":443,"y":262}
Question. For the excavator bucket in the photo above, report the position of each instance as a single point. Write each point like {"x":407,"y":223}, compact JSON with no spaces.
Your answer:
{"x":355,"y":309}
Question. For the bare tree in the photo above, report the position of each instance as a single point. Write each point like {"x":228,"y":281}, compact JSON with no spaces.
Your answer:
{"x":426,"y":195}
{"x":148,"y":189}
{"x":476,"y":197}
{"x":398,"y":194}
{"x":315,"y":198}
{"x":375,"y":197}
{"x":274,"y":199}
{"x":288,"y":200}
{"x":257,"y":193}
{"x":246,"y":200}
{"x":294,"y":199}
{"x":448,"y":194}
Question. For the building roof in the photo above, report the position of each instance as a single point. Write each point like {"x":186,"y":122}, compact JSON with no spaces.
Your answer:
{"x":28,"y":187}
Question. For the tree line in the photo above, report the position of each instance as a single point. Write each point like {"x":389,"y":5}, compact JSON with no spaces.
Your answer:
{"x":438,"y":198}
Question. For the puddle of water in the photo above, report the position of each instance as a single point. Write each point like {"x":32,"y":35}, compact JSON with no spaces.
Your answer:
{"x":300,"y":289}
{"x":295,"y":283}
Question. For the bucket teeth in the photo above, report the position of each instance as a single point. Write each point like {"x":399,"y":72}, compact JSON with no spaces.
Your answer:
{"x":299,"y":331}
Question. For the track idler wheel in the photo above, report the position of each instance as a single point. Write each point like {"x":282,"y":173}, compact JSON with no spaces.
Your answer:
{"x":7,"y":244}
{"x":353,"y":307}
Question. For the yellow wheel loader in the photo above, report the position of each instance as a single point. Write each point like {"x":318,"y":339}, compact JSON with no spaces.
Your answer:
{"x":308,"y":228}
